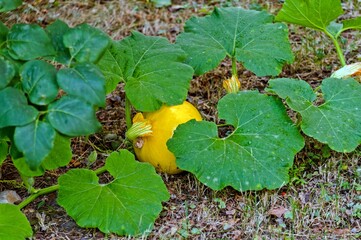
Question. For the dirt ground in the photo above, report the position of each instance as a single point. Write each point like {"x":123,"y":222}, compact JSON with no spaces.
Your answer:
{"x":322,"y":201}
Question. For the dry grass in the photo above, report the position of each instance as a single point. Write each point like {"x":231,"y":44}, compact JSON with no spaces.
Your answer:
{"x":323,"y":199}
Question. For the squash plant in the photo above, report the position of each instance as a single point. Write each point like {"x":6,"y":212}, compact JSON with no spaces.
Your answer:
{"x":50,"y":88}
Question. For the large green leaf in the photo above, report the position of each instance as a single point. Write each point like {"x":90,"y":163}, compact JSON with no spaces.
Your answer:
{"x":35,"y":141}
{"x":13,"y":223}
{"x":3,"y":33}
{"x":317,"y":14}
{"x":56,"y":32}
{"x":7,"y":70}
{"x":8,"y":5}
{"x":4,"y":150}
{"x":15,"y":110}
{"x":86,"y":43}
{"x":73,"y":117}
{"x":29,"y":41}
{"x":59,"y":156}
{"x":353,"y":23}
{"x":248,"y":35}
{"x":38,"y":79}
{"x":257,"y":154}
{"x":337,"y":121}
{"x":128,"y":205}
{"x":84,"y":81}
{"x":152,"y":68}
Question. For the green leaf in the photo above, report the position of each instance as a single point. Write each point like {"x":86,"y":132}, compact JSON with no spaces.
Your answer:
{"x":15,"y":110}
{"x":73,"y":117}
{"x":161,"y":3}
{"x":152,"y":68}
{"x":29,"y":41}
{"x":334,"y":29}
{"x":7,"y":70}
{"x":38,"y":79}
{"x":59,"y":156}
{"x":128,"y":205}
{"x":317,"y":14}
{"x":248,"y":35}
{"x":8,"y":5}
{"x":13,"y":223}
{"x":35,"y":141}
{"x":86,"y":43}
{"x":84,"y":81}
{"x":4,"y":150}
{"x":353,"y":23}
{"x":257,"y":154}
{"x":56,"y":31}
{"x":3,"y":33}
{"x":337,"y":121}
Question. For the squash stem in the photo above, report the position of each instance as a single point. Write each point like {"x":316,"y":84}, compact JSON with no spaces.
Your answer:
{"x":36,"y":194}
{"x":128,"y":117}
{"x":139,"y":129}
{"x":338,"y":48}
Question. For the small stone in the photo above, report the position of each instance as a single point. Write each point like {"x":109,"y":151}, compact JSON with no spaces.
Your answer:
{"x":9,"y":196}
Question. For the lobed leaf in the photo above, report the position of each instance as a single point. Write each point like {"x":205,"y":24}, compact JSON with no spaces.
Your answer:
{"x":152,"y":69}
{"x":15,"y":110}
{"x":35,"y":141}
{"x":13,"y":223}
{"x":86,"y":43}
{"x":84,"y":81}
{"x":56,"y":31}
{"x":249,"y":36}
{"x":257,"y":154}
{"x":38,"y":79}
{"x":29,"y":41}
{"x":7,"y":70}
{"x":317,"y":14}
{"x":128,"y":205}
{"x":354,"y":23}
{"x":337,"y":121}
{"x":73,"y":117}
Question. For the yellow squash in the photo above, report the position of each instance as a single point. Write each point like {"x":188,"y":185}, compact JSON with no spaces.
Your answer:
{"x":151,"y":131}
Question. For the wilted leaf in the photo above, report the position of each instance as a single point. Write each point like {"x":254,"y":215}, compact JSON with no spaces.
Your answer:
{"x":128,"y":205}
{"x":257,"y":154}
{"x":249,"y":36}
{"x":337,"y":121}
{"x":152,"y":68}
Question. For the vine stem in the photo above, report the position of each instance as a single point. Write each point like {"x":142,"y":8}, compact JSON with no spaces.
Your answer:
{"x":234,"y":66}
{"x":50,"y":189}
{"x":128,"y":118}
{"x":338,"y":49}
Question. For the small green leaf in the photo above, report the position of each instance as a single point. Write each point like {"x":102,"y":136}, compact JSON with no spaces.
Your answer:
{"x":335,"y":29}
{"x":337,"y":121}
{"x":317,"y":14}
{"x":4,"y":150}
{"x":3,"y":33}
{"x":56,"y":31}
{"x":24,"y":169}
{"x":161,"y":3}
{"x":84,"y":81}
{"x":247,"y":35}
{"x":152,"y":68}
{"x":13,"y":223}
{"x":29,"y":41}
{"x":8,"y":5}
{"x":73,"y":117}
{"x":38,"y":79}
{"x":15,"y":110}
{"x":353,"y":23}
{"x":35,"y":141}
{"x":7,"y":70}
{"x":257,"y":154}
{"x":128,"y":205}
{"x":86,"y":43}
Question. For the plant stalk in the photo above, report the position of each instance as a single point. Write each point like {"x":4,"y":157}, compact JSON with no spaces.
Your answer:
{"x":341,"y":57}
{"x":234,"y":66}
{"x":128,"y":112}
{"x":37,"y":194}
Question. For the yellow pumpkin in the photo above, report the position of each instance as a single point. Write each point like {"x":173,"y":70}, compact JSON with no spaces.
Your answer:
{"x":151,"y":131}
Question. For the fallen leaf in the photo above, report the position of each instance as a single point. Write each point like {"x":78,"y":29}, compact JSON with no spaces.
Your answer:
{"x":278,"y":211}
